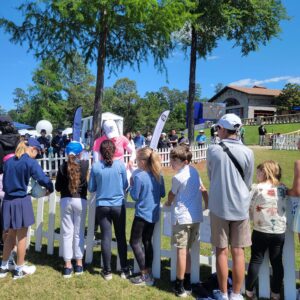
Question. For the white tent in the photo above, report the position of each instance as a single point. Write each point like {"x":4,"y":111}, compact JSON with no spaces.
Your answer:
{"x":87,"y":123}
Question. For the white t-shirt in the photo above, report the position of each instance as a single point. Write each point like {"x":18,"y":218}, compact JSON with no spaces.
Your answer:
{"x":187,"y":207}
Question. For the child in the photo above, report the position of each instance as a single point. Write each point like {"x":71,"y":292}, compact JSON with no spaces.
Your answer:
{"x":186,"y":214}
{"x":147,"y":189}
{"x":71,"y":182}
{"x":108,"y":179}
{"x":17,"y":207}
{"x":268,"y":212}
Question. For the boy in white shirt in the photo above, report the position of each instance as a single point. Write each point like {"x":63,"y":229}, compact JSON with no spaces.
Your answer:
{"x":186,"y":214}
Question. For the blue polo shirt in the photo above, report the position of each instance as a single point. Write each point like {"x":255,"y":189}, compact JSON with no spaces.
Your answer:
{"x":139,"y":141}
{"x":147,"y":191}
{"x":17,"y":173}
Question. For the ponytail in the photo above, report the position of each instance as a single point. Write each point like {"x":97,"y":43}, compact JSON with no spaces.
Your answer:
{"x":73,"y":170}
{"x":152,"y":161}
{"x":107,"y":150}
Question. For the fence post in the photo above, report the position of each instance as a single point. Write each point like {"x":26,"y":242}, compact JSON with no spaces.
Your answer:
{"x":39,"y":224}
{"x":91,"y":228}
{"x":156,"y":264}
{"x":51,"y":223}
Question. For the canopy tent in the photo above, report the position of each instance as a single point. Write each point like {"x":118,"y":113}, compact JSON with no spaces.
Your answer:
{"x":87,"y":123}
{"x":19,"y":126}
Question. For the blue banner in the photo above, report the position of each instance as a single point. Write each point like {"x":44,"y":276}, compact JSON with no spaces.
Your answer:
{"x":77,"y":124}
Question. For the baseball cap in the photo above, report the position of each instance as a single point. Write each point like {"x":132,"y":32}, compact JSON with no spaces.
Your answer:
{"x":111,"y":129}
{"x":74,"y":148}
{"x":202,"y":131}
{"x":230,"y":121}
{"x":32,"y":142}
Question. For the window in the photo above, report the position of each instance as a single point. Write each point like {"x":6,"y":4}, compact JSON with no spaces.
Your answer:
{"x":231,"y":102}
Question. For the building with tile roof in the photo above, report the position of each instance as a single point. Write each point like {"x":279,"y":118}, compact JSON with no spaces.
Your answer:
{"x":247,"y":102}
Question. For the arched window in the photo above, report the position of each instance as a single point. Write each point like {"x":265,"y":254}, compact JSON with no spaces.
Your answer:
{"x":231,"y":102}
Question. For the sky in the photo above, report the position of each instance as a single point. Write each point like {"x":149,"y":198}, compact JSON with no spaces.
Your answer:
{"x":271,"y":66}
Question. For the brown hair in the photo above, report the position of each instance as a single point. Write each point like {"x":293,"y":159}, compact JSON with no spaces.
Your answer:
{"x":152,"y":160}
{"x":73,"y":169}
{"x":107,"y":150}
{"x":272,"y":171}
{"x":182,"y":153}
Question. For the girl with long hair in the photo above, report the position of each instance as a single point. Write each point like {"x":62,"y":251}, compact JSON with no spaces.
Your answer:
{"x":108,"y":179}
{"x":71,"y":182}
{"x":147,"y":188}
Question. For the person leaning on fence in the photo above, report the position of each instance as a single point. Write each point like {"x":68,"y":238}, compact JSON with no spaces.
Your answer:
{"x":17,"y":207}
{"x":229,"y":202}
{"x":268,"y":212}
{"x":185,"y":198}
{"x":71,"y":182}
{"x":147,"y":188}
{"x":108,"y":179}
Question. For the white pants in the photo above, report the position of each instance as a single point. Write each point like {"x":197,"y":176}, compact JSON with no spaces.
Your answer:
{"x":72,"y":213}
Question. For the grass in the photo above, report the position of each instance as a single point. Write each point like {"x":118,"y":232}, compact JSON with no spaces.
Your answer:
{"x":48,"y":283}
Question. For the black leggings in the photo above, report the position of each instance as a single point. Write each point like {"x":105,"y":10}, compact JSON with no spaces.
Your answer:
{"x":142,"y":231}
{"x":106,"y":215}
{"x":260,"y":243}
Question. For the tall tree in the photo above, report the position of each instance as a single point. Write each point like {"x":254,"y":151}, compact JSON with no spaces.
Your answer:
{"x":249,"y":23}
{"x":20,"y":99}
{"x":112,"y":33}
{"x":289,"y":98}
{"x":218,"y":87}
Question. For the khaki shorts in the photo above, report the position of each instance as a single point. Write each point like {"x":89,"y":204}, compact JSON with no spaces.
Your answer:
{"x":185,"y":234}
{"x":234,"y":233}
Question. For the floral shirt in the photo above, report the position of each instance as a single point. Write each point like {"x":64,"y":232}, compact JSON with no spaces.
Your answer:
{"x":268,"y":207}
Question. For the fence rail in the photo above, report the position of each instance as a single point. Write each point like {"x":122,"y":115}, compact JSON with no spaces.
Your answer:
{"x":285,"y":142}
{"x":264,"y":287}
{"x":51,"y":164}
{"x":281,"y":119}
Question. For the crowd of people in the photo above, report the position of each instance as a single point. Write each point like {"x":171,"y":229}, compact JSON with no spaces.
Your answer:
{"x":231,"y":199}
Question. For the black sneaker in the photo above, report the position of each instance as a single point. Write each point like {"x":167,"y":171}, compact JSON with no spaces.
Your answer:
{"x":67,"y":272}
{"x":3,"y":272}
{"x":78,"y":270}
{"x":180,"y":291}
{"x":126,"y":273}
{"x":107,"y":275}
{"x":26,"y":271}
{"x":187,"y":286}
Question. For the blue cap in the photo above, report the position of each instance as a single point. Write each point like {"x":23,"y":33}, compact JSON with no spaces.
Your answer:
{"x":74,"y":148}
{"x":32,"y":142}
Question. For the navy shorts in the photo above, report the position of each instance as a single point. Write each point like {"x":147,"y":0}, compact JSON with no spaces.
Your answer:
{"x":17,"y":213}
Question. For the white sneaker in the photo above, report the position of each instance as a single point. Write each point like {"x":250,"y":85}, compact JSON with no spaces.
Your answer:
{"x":236,"y":297}
{"x":11,"y":263}
{"x":26,"y":271}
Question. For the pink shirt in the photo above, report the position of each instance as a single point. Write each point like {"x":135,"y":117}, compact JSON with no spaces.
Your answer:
{"x":121,"y":143}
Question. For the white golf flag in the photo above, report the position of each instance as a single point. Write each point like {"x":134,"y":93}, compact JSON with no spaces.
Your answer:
{"x":158,"y":129}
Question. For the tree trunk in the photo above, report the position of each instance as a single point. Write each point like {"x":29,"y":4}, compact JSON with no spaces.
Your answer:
{"x":97,"y":115}
{"x":192,"y":87}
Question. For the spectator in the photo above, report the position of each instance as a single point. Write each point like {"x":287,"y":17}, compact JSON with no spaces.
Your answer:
{"x":229,"y":201}
{"x":201,"y":138}
{"x":148,"y":138}
{"x":242,"y":134}
{"x":162,"y":142}
{"x":45,"y":143}
{"x":262,"y":131}
{"x":139,"y":140}
{"x":183,"y":139}
{"x":173,"y":139}
{"x":57,"y":143}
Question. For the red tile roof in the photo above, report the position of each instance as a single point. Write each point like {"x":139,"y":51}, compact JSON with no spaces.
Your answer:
{"x":255,"y":90}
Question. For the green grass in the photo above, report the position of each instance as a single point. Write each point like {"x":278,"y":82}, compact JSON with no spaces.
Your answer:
{"x":48,"y":283}
{"x":251,"y":132}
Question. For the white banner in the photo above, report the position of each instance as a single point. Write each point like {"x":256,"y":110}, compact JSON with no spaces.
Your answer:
{"x":158,"y":129}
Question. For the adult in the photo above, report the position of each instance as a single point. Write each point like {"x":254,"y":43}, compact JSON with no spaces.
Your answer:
{"x":183,"y":139}
{"x":162,"y":142}
{"x":139,"y":140}
{"x":57,"y":143}
{"x":201,"y":138}
{"x":262,"y":131}
{"x":173,"y":139}
{"x":229,"y":201}
{"x":242,"y":133}
{"x":45,"y":143}
{"x":111,"y":132}
{"x":17,"y":207}
{"x":148,"y":138}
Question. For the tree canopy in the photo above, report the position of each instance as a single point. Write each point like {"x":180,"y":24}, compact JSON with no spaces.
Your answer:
{"x":289,"y":98}
{"x":111,"y":33}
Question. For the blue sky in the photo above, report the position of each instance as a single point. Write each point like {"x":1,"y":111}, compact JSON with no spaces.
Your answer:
{"x":272,"y":66}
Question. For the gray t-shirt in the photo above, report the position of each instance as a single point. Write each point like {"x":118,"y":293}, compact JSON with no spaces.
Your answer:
{"x":229,"y":196}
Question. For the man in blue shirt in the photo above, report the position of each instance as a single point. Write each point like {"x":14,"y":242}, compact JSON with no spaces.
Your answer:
{"x":139,"y":140}
{"x":201,"y":138}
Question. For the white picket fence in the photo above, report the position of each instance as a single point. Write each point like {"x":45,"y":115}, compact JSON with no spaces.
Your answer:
{"x":285,"y":142}
{"x":51,"y":236}
{"x":50,"y":164}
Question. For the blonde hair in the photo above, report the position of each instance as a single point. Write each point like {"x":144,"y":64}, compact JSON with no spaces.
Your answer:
{"x":73,"y":170}
{"x":152,"y":160}
{"x":21,"y":149}
{"x":272,"y":171}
